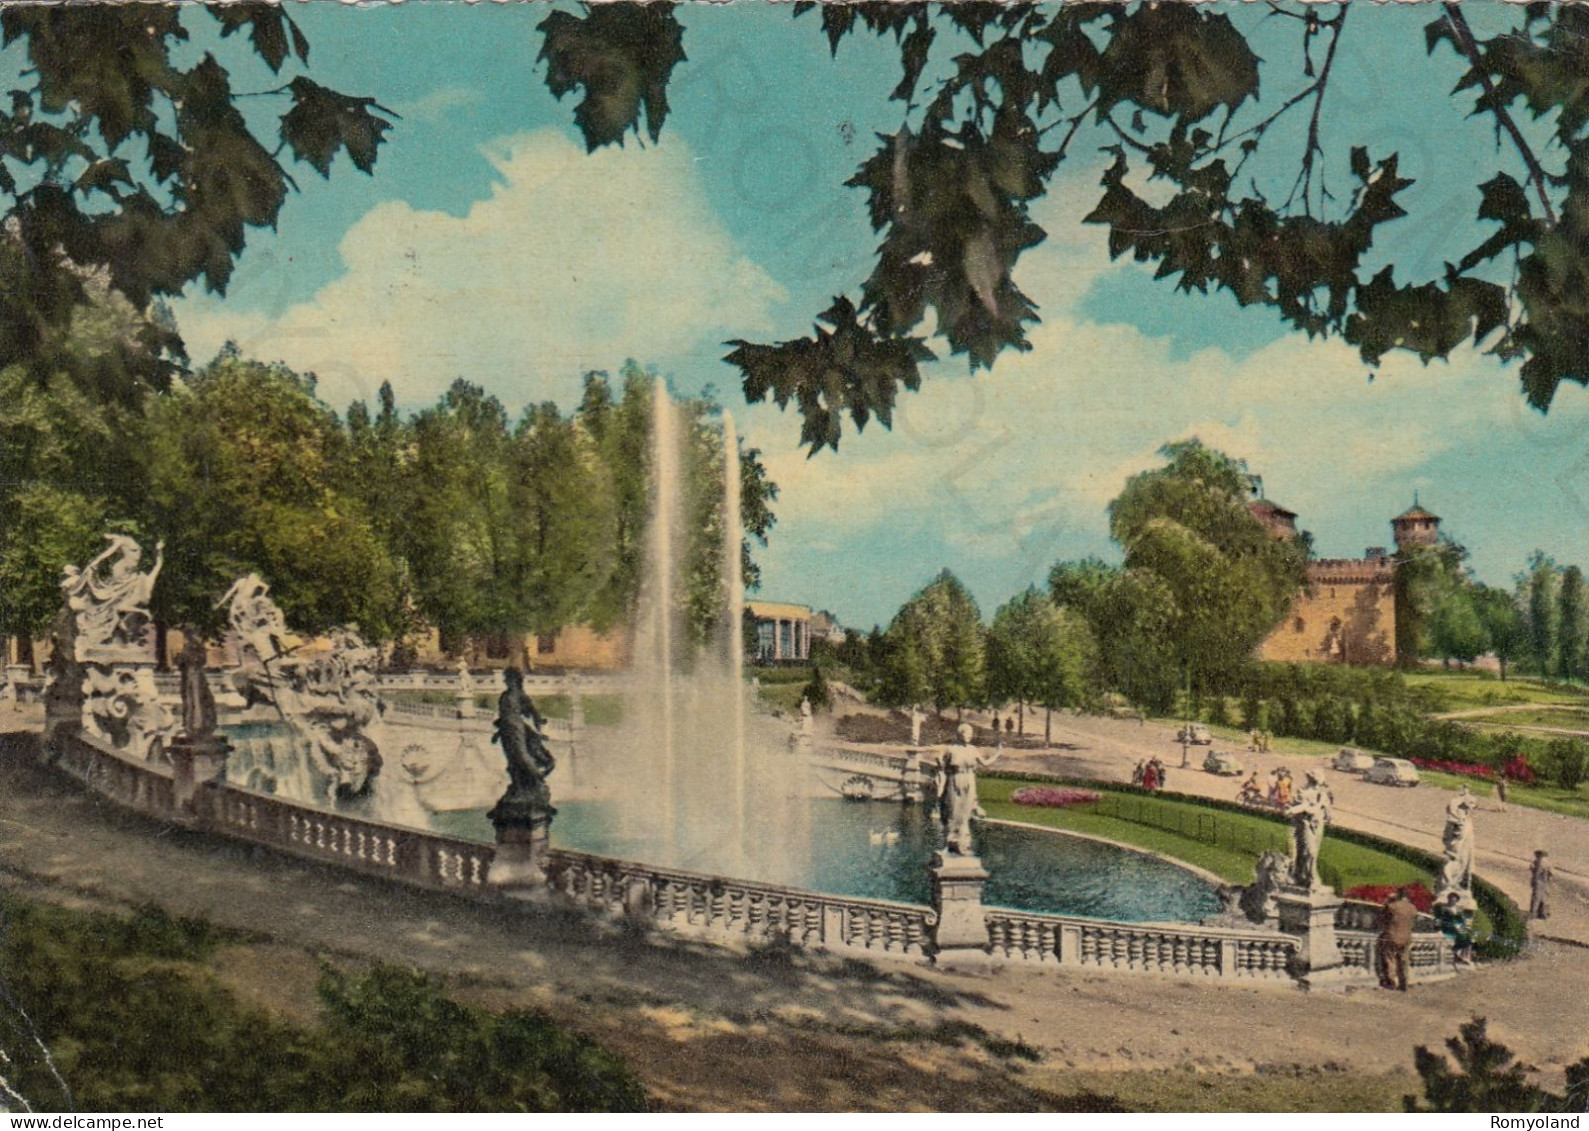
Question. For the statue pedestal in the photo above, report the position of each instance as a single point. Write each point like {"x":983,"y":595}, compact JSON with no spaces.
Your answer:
{"x":524,"y":827}
{"x":196,"y":763}
{"x":960,"y":938}
{"x":1310,"y":916}
{"x":464,"y":703}
{"x":520,"y":860}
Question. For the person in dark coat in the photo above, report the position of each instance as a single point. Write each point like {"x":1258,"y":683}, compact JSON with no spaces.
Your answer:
{"x":1396,"y":920}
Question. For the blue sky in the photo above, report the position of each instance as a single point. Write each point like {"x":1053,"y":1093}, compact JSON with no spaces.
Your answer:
{"x":488,"y":246}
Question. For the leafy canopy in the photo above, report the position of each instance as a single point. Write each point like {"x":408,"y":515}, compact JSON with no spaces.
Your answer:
{"x":994,"y":96}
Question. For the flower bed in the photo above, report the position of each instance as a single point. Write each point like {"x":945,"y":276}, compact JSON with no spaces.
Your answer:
{"x":1467,"y":769}
{"x":1422,"y":898}
{"x":1053,"y":797}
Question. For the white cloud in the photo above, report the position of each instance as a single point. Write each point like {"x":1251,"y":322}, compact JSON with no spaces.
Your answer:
{"x":574,"y":262}
{"x":1011,"y":464}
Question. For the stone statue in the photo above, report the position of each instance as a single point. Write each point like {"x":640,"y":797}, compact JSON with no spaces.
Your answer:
{"x":523,"y":816}
{"x":111,"y":606}
{"x":260,"y":626}
{"x":1257,"y":899}
{"x":121,"y":705}
{"x":198,"y":702}
{"x":108,"y":600}
{"x":1457,"y":838}
{"x":1310,"y":814}
{"x":329,"y":700}
{"x":519,"y":730}
{"x":956,"y":782}
{"x":915,"y":725}
{"x":465,"y":679}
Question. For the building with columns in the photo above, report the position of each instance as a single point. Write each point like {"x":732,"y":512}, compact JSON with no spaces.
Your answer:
{"x":783,"y":632}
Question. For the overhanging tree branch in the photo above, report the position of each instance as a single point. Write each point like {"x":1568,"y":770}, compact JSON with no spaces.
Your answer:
{"x":1469,"y":47}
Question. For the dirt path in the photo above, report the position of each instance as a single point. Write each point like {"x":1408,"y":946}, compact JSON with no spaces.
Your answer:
{"x":708,"y":1028}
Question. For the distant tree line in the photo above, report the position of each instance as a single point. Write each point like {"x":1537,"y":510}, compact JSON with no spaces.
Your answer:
{"x":456,"y":517}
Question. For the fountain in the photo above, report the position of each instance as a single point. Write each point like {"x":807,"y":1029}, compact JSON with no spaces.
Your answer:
{"x":327,"y":700}
{"x":691,"y":779}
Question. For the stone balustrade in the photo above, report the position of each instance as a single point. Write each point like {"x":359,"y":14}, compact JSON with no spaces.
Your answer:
{"x":715,"y":907}
{"x":1185,"y":951}
{"x":697,"y":903}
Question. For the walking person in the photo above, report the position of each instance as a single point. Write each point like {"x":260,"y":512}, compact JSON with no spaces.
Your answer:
{"x":1396,"y":920}
{"x":1500,"y":793}
{"x":1539,"y":877}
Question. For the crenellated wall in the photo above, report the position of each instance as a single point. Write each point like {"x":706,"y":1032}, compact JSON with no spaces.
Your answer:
{"x":1347,"y":614}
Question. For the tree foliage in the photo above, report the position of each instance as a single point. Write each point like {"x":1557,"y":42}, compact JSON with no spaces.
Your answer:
{"x":122,"y":163}
{"x":993,"y":98}
{"x":934,"y":649}
{"x":1039,"y":653}
{"x":1229,"y":582}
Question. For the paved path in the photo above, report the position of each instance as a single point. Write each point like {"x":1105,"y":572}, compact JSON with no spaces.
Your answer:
{"x":707,"y":1028}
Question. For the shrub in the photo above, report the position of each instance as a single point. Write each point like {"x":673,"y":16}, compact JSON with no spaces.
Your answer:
{"x":1564,"y":762}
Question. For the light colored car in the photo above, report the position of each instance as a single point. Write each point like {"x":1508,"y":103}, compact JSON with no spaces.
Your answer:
{"x":1194,"y":734}
{"x":1223,"y":763}
{"x":1353,"y":761}
{"x":1392,"y":771}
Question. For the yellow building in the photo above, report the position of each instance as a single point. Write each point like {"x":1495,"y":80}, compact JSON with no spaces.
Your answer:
{"x":1347,"y":613}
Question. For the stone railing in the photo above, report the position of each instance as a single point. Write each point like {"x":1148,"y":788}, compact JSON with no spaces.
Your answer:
{"x":146,"y":787}
{"x":1188,"y":951}
{"x":436,"y":716}
{"x":1428,"y":956}
{"x":716,"y":907}
{"x":696,"y":903}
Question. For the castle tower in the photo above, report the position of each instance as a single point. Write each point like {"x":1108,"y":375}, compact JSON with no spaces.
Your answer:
{"x":1415,"y":527}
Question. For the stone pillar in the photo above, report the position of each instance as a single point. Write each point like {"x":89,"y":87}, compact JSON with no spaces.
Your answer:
{"x":1310,"y":916}
{"x":196,"y":764}
{"x":913,"y":782}
{"x":960,"y":938}
{"x":463,"y":699}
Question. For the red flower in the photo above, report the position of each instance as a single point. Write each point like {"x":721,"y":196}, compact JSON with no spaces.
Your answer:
{"x":1049,"y":797}
{"x":1422,"y":898}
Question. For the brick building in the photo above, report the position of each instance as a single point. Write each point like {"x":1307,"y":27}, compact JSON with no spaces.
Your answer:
{"x":1347,"y":613}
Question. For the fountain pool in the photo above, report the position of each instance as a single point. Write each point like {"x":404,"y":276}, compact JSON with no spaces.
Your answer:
{"x":874,"y":849}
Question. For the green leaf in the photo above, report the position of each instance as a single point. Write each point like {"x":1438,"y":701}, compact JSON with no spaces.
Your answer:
{"x":621,"y":54}
{"x":844,"y":367}
{"x":322,"y":121}
{"x":1176,"y":60}
{"x":266,"y":25}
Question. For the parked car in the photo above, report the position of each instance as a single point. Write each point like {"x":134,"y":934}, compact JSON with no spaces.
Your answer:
{"x":1392,"y":771}
{"x":1223,"y":763}
{"x":1353,"y":761}
{"x":1194,"y":734}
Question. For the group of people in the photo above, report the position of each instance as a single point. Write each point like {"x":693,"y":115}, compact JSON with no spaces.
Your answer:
{"x":1260,"y":741}
{"x":1279,"y":793}
{"x":1150,"y":775}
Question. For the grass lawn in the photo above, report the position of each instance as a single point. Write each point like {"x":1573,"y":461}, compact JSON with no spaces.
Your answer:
{"x":1225,"y":737}
{"x":782,"y":696}
{"x":1566,"y":718}
{"x":1468,"y":690}
{"x":1238,"y":838}
{"x":1551,"y":798}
